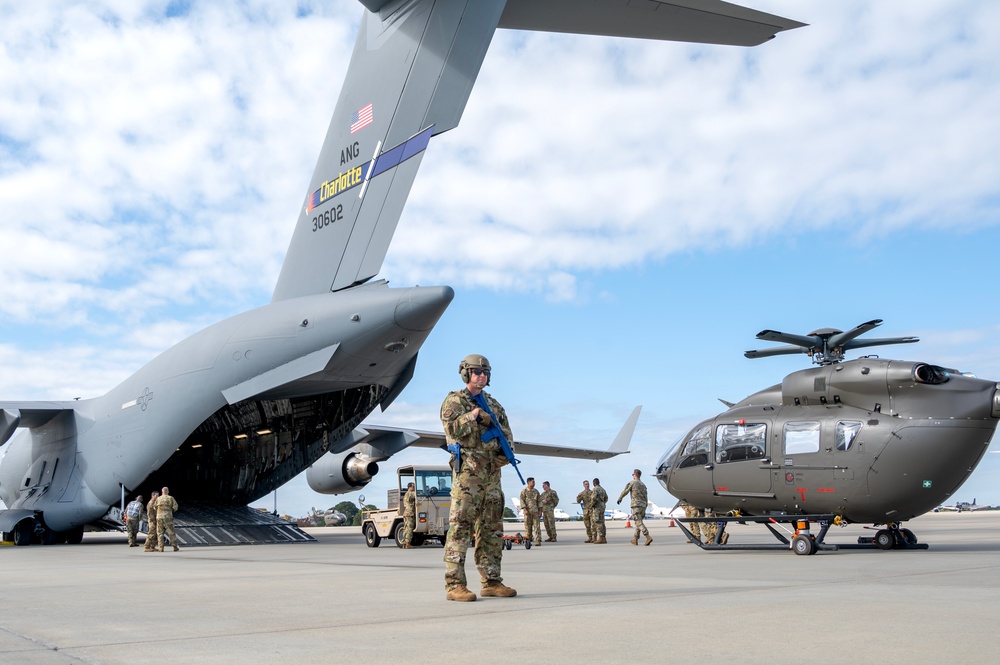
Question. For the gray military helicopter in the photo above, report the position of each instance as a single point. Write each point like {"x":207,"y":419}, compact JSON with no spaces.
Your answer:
{"x":869,"y":440}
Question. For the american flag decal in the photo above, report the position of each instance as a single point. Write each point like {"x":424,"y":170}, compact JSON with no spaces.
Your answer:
{"x":361,"y":118}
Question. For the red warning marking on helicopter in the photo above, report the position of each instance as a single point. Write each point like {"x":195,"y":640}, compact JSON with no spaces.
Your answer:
{"x":721,"y":489}
{"x":825,"y":489}
{"x":802,"y":492}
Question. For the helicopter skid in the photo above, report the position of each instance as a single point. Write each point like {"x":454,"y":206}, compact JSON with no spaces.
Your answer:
{"x":798,"y":538}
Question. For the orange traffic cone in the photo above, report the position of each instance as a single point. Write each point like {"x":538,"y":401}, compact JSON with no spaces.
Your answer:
{"x":672,"y":522}
{"x":628,"y":522}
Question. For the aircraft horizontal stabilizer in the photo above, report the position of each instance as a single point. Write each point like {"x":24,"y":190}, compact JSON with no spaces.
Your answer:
{"x":702,"y":21}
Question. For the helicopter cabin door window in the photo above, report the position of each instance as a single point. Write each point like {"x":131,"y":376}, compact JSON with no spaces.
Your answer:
{"x":847,"y":431}
{"x":801,"y":438}
{"x":740,"y":441}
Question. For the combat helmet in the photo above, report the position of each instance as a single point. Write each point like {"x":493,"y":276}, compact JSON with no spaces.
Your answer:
{"x":474,"y":361}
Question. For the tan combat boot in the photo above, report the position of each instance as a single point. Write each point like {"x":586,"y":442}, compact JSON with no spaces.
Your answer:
{"x":497,"y":590}
{"x":589,"y":540}
{"x":649,"y":539}
{"x":635,"y":541}
{"x":461,"y":594}
{"x":602,"y":540}
{"x":177,"y":549}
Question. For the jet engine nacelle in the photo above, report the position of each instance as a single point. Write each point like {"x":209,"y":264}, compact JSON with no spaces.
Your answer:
{"x":341,"y":473}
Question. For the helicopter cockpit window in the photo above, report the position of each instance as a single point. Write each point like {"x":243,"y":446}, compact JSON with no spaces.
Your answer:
{"x":847,"y":431}
{"x":740,"y":441}
{"x":801,"y":438}
{"x":696,"y":449}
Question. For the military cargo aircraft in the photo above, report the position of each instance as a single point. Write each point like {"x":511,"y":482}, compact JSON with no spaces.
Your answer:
{"x":243,"y":406}
{"x":866,"y":440}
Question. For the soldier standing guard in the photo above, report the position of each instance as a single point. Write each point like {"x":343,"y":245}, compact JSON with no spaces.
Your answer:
{"x":637,"y":489}
{"x":597,"y":512}
{"x":548,"y":501}
{"x":476,"y":494}
{"x":530,"y":506}
{"x":586,"y":499}
{"x":150,"y":545}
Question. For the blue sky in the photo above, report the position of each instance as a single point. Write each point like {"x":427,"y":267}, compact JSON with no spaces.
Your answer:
{"x":618,"y":218}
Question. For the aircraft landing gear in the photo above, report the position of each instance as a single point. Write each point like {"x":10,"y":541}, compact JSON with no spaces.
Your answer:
{"x":892,"y":537}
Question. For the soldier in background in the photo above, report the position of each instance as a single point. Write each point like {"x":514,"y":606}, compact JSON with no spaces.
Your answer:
{"x":133,"y":514}
{"x":529,"y":504}
{"x":150,"y":545}
{"x":548,"y":502}
{"x":600,"y":505}
{"x":586,"y":499}
{"x":409,"y":515}
{"x":690,"y":512}
{"x":637,"y":490}
{"x":476,"y":494}
{"x":166,"y":506}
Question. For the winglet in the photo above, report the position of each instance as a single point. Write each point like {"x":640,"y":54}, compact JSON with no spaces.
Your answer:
{"x":624,"y":438}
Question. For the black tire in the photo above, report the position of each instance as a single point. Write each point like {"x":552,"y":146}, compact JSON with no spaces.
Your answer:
{"x":803,"y":545}
{"x":372,"y":539}
{"x":909,"y":538}
{"x":507,"y":544}
{"x":23,"y":532}
{"x":50,"y":537}
{"x":75,"y":535}
{"x":527,"y":544}
{"x":884,"y":540}
{"x":417,"y":540}
{"x":397,"y":534}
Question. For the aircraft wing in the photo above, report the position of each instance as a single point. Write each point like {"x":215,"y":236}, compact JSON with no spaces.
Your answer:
{"x":704,"y":21}
{"x":426,"y":439}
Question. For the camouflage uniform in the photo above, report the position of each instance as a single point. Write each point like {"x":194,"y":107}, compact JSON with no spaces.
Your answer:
{"x":476,"y":494}
{"x":586,"y":497}
{"x":711,"y":529}
{"x":166,"y":506}
{"x":150,"y":544}
{"x":409,"y":516}
{"x":548,"y":501}
{"x":637,"y":489}
{"x":132,"y":521}
{"x":600,"y":505}
{"x":529,"y":503}
{"x":691,"y":511}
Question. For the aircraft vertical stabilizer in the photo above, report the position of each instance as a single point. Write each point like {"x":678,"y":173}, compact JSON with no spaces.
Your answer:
{"x":410,"y":76}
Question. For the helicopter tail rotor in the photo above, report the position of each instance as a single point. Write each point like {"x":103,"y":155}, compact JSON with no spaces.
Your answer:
{"x":826,"y":345}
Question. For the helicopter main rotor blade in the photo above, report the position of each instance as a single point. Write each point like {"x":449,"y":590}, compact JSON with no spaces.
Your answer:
{"x":788,"y":338}
{"x":840,"y":339}
{"x":860,"y":344}
{"x":776,"y":351}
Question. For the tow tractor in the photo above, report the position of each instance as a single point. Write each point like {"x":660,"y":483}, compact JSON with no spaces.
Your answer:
{"x":433,"y":489}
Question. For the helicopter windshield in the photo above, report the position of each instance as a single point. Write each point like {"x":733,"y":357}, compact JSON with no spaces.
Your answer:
{"x":667,"y":460}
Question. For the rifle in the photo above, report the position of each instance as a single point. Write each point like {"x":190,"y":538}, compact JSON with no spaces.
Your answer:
{"x":495,"y":432}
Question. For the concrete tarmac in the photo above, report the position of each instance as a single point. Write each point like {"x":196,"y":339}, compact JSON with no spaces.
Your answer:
{"x":339,"y":601}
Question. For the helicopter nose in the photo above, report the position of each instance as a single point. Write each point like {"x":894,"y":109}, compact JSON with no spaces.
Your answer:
{"x":421,"y":306}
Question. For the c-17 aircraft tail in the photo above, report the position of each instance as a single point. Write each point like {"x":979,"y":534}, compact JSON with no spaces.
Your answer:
{"x":243,"y":406}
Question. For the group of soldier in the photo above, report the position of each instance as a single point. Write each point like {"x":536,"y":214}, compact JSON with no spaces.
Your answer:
{"x":595,"y":501}
{"x":539,"y":506}
{"x":159,"y":515}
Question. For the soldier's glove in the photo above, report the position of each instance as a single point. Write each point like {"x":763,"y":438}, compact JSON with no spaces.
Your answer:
{"x":619,"y":502}
{"x":484,"y":418}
